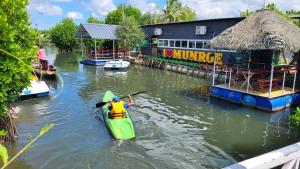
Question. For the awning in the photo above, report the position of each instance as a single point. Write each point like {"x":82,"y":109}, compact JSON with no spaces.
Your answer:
{"x":97,"y":31}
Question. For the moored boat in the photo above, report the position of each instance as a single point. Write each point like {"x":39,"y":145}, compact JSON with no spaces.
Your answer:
{"x":116,"y":65}
{"x":47,"y":74}
{"x":37,"y":88}
{"x":121,"y":128}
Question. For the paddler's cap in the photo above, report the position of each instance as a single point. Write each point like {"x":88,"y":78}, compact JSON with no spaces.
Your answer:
{"x":116,"y":99}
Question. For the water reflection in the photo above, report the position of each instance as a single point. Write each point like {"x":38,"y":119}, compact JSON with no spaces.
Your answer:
{"x":174,"y":129}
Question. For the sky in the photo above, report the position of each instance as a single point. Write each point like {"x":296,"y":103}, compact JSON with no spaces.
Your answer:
{"x":46,"y":13}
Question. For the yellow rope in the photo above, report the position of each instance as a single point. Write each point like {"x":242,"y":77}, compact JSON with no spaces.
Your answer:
{"x":62,"y":81}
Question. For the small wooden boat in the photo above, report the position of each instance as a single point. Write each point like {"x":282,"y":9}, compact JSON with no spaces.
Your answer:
{"x":37,"y":88}
{"x":46,"y":71}
{"x":45,"y":74}
{"x":121,"y":128}
{"x":116,"y":65}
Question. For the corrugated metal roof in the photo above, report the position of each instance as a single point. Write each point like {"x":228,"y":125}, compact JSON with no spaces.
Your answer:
{"x":97,"y":31}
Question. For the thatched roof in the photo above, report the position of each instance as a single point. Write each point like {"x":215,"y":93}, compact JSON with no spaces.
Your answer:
{"x":261,"y":30}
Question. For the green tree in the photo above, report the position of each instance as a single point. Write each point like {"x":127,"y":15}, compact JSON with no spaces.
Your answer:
{"x":187,"y":14}
{"x":62,"y":34}
{"x":273,"y":7}
{"x":175,"y":12}
{"x":130,"y":33}
{"x":171,"y":13}
{"x":116,"y":16}
{"x":17,"y":50}
{"x":95,"y":20}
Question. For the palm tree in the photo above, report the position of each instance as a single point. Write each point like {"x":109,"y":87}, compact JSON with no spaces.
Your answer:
{"x":172,"y":11}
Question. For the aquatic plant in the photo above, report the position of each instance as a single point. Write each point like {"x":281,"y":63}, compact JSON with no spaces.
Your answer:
{"x":3,"y":150}
{"x":295,"y":118}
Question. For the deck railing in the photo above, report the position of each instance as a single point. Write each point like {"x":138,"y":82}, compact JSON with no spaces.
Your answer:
{"x":244,"y":78}
{"x":288,"y":157}
{"x":107,"y":54}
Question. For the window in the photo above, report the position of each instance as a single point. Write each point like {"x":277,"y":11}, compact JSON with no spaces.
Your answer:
{"x":160,"y":43}
{"x":199,"y":45}
{"x":172,"y":43}
{"x":177,"y":44}
{"x":166,"y":43}
{"x":192,"y":44}
{"x":205,"y":44}
{"x":184,"y":44}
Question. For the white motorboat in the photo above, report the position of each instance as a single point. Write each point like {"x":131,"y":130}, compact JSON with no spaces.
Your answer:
{"x":37,"y":88}
{"x":116,"y":65}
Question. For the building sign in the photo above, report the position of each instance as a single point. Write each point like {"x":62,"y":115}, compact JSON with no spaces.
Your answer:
{"x":191,"y":55}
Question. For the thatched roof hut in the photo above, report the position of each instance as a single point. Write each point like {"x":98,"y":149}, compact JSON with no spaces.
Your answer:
{"x":262,"y":30}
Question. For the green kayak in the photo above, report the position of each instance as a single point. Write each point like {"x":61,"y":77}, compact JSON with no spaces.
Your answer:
{"x":120,"y":129}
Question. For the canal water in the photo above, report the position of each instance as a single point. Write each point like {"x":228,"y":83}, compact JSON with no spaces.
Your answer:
{"x":174,"y":128}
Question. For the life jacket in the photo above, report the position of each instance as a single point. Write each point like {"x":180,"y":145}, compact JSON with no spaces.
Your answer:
{"x":118,"y":110}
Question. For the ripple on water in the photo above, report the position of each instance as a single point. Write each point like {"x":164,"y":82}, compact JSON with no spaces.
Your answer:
{"x":169,"y":137}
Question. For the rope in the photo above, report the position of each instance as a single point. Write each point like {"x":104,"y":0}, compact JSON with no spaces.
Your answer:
{"x":13,"y":56}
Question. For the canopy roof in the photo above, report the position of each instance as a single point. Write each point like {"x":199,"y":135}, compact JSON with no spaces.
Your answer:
{"x":261,"y":30}
{"x":97,"y":31}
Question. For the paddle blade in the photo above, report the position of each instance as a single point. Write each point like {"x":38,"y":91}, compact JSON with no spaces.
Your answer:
{"x":100,"y":104}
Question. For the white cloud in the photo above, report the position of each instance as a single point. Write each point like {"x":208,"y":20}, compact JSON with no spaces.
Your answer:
{"x":100,"y":7}
{"x":75,"y":15}
{"x":207,"y":9}
{"x":45,"y":8}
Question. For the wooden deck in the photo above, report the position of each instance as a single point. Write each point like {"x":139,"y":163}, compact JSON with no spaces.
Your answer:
{"x":275,"y":92}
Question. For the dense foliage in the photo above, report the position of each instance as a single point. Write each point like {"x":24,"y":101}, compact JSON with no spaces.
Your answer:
{"x":295,"y":118}
{"x":130,"y":33}
{"x":173,"y":12}
{"x":118,"y":15}
{"x":18,"y":39}
{"x":62,"y":34}
{"x":273,"y":7}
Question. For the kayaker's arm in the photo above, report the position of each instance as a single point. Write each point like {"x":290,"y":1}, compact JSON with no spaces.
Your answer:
{"x":130,"y":101}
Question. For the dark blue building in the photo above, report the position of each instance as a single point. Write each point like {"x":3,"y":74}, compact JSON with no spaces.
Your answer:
{"x":186,"y":40}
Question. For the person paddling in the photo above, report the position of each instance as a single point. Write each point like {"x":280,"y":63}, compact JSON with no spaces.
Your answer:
{"x":118,"y":108}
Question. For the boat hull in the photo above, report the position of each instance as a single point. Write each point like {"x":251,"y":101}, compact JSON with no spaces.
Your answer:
{"x":120,"y":129}
{"x":36,"y":89}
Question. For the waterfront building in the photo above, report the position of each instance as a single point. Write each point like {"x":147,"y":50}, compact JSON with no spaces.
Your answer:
{"x":187,"y":41}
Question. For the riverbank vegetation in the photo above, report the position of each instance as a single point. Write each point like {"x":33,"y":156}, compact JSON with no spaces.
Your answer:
{"x":130,"y":34}
{"x":62,"y":35}
{"x":17,"y":50}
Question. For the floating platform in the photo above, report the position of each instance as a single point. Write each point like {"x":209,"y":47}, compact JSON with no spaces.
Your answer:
{"x":279,"y":99}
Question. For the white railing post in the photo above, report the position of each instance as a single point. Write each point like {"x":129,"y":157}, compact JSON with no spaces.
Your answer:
{"x":226,"y":75}
{"x":283,"y":81}
{"x":229,"y":77}
{"x":214,"y":70}
{"x":81,"y":46}
{"x":248,"y":81}
{"x":271,"y":78}
{"x":294,"y":83}
{"x":95,"y":50}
